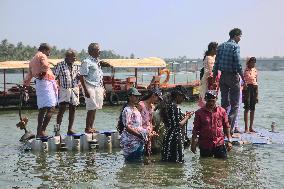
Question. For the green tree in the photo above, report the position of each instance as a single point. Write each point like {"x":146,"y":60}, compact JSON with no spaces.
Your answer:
{"x":9,"y":51}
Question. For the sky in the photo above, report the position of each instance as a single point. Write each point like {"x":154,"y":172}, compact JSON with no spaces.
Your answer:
{"x":162,"y":28}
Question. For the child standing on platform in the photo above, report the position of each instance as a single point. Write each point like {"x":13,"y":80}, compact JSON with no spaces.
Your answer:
{"x":250,"y":93}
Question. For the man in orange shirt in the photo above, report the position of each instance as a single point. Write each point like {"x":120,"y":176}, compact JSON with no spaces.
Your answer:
{"x":45,"y":85}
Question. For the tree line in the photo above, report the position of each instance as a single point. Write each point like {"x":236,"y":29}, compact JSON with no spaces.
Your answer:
{"x":9,"y":51}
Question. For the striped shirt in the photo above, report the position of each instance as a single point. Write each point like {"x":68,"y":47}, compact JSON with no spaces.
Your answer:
{"x":67,"y":75}
{"x":228,"y":58}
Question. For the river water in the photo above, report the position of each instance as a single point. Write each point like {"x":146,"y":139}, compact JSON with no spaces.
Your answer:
{"x":249,"y":166}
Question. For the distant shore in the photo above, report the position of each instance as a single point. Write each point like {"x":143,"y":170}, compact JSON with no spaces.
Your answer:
{"x":264,"y":64}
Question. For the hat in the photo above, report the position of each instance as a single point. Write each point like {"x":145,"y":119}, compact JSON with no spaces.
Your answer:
{"x":210,"y":94}
{"x":133,"y":91}
{"x":158,"y":92}
{"x":181,"y":91}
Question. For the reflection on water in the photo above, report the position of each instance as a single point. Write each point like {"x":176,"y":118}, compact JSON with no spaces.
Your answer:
{"x":247,"y":167}
{"x":152,"y":175}
{"x":67,"y":169}
{"x":251,"y":166}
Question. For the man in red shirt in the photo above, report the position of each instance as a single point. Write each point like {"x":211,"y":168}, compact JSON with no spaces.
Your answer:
{"x":210,"y":124}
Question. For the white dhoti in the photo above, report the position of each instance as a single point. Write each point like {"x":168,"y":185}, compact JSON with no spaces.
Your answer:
{"x":70,"y":95}
{"x":46,"y":92}
{"x":96,"y":97}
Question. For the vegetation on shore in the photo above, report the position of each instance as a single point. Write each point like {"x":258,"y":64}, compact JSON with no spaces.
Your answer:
{"x":9,"y":51}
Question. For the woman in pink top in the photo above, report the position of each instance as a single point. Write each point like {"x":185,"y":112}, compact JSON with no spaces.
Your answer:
{"x":146,"y":108}
{"x":250,"y":93}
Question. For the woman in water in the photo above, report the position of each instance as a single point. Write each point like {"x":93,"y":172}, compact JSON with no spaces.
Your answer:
{"x":133,"y":135}
{"x":174,"y":121}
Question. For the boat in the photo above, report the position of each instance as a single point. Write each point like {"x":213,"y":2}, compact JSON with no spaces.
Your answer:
{"x":116,"y":88}
{"x":155,"y":67}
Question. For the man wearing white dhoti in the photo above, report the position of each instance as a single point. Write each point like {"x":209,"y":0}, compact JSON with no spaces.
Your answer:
{"x":45,"y":85}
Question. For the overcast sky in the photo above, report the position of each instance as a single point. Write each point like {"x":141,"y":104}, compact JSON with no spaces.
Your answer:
{"x":146,"y":27}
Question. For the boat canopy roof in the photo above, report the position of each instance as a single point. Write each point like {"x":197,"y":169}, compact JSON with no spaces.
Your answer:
{"x":25,"y":64}
{"x":152,"y":62}
{"x":14,"y":65}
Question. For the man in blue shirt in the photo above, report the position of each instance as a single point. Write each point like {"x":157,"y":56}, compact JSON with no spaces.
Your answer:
{"x":228,"y":62}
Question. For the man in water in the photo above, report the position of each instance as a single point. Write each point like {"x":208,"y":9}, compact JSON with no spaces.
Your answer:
{"x":210,"y":124}
{"x":68,"y":76}
{"x":45,"y":85}
{"x":229,"y":63}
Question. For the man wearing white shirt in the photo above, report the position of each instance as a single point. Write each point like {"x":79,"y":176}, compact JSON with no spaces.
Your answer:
{"x":91,"y":77}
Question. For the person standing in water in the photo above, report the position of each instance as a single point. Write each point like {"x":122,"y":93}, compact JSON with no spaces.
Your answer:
{"x":174,"y":121}
{"x":210,"y":124}
{"x":133,"y":135}
{"x":146,"y":107}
